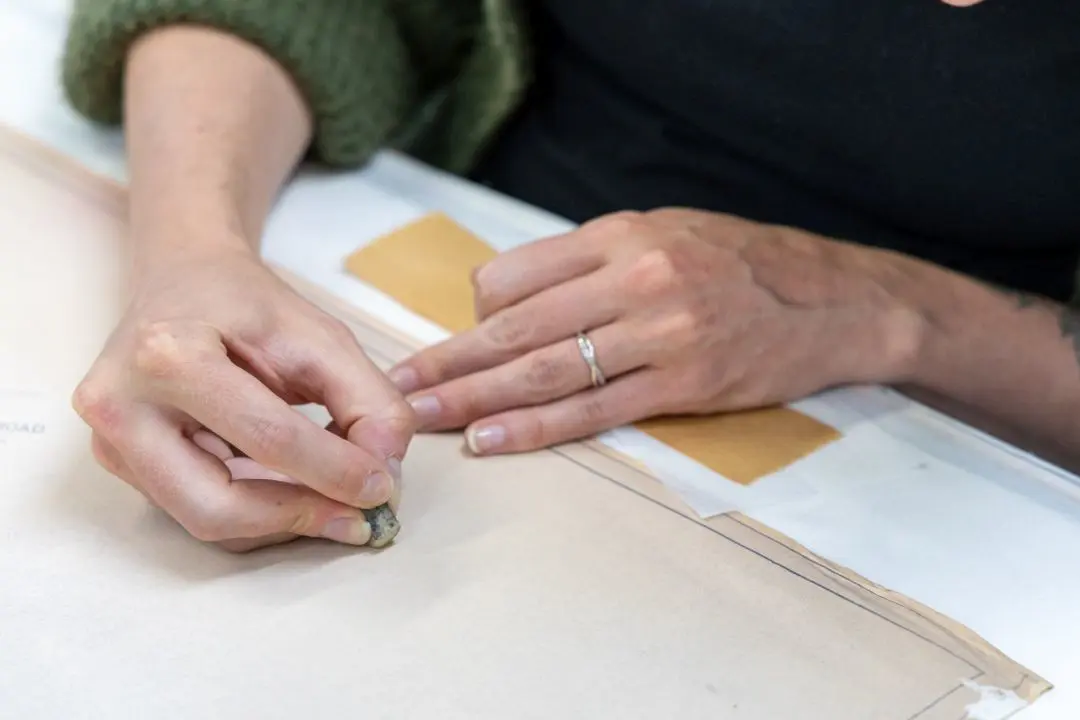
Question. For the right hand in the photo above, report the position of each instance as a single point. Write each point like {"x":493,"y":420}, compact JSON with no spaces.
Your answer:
{"x":215,"y":347}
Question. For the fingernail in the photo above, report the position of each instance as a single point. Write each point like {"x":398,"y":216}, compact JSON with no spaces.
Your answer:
{"x":485,"y":439}
{"x":348,"y":530}
{"x":377,"y":489}
{"x":405,"y":379}
{"x":427,"y":408}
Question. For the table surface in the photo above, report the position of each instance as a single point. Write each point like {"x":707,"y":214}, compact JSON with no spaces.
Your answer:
{"x":922,"y":506}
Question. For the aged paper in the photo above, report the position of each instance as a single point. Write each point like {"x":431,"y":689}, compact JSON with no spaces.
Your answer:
{"x":565,"y":583}
{"x":426,"y":267}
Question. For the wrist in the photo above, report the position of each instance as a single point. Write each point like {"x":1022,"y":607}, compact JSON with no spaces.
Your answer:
{"x":900,"y":338}
{"x":952,"y":307}
{"x":165,"y":251}
{"x":162,"y":236}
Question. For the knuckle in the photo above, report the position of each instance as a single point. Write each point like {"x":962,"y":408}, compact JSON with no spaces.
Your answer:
{"x":654,"y":273}
{"x":667,"y":213}
{"x":401,"y":418}
{"x":594,"y":411}
{"x":93,"y":401}
{"x":480,"y":276}
{"x":398,"y":423}
{"x":336,"y":330}
{"x":89,"y":398}
{"x":346,"y":481}
{"x":545,"y":372}
{"x":269,"y":435}
{"x":159,"y":352}
{"x":305,"y":518}
{"x":619,"y":223}
{"x":506,"y":331}
{"x":211,"y":524}
{"x":681,"y":327}
{"x":536,"y":433}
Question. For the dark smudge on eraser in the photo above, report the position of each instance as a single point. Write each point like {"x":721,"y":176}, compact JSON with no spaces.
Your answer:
{"x":384,"y":526}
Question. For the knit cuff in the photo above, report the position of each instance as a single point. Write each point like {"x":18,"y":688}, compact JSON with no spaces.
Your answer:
{"x":346,"y":56}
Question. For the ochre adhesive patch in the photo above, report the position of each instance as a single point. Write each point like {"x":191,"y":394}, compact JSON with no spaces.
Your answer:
{"x":426,"y":266}
{"x":746,"y":445}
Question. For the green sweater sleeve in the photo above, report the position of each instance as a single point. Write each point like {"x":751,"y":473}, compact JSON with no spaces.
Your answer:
{"x":347,"y":57}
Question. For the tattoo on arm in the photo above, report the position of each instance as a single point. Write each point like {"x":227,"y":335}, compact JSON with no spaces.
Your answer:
{"x":1024,"y":300}
{"x":1069,"y":322}
{"x":1068,"y":316}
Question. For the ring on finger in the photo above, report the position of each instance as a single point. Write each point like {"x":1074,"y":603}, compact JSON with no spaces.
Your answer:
{"x":588,"y":354}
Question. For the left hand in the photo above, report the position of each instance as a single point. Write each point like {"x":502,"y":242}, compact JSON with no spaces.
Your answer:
{"x":690,"y":312}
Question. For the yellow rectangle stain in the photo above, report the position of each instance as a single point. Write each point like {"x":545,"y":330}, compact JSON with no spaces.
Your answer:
{"x":426,"y":266}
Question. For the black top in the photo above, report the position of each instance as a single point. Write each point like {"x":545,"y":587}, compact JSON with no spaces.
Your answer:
{"x":952,"y":134}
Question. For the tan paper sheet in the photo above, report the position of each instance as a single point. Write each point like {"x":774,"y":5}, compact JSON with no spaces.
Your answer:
{"x":426,"y":267}
{"x":561,"y":584}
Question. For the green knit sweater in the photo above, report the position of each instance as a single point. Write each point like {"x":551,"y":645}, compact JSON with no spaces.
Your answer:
{"x":435,"y":78}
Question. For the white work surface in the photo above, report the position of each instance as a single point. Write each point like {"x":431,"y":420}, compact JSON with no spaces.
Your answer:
{"x":920,"y":505}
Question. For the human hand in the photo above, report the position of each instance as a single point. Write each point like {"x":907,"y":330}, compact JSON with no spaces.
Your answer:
{"x":689,"y":312}
{"x":212,"y":352}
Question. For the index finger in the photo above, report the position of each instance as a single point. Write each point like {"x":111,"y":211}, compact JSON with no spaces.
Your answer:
{"x":368,"y":409}
{"x":240,"y":409}
{"x":520,"y":273}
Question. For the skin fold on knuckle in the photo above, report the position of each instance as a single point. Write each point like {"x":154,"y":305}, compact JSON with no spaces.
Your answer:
{"x":307,"y":519}
{"x":545,"y":374}
{"x":270,"y":438}
{"x":593,"y":413}
{"x":505,"y":331}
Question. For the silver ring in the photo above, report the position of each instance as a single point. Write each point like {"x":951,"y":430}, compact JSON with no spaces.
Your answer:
{"x":588,"y":354}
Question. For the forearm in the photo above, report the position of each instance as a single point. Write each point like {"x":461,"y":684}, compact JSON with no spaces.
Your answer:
{"x":1003,"y":362}
{"x":213,"y":129}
